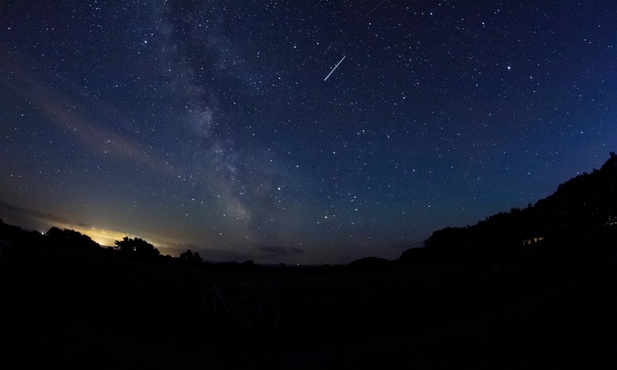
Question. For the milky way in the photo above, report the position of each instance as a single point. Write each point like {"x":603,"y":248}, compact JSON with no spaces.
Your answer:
{"x":209,"y":125}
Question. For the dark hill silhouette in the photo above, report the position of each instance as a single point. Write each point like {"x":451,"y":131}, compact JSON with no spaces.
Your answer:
{"x":70,"y":239}
{"x":15,"y":234}
{"x":583,"y":203}
{"x":441,"y":306}
{"x":370,"y":263}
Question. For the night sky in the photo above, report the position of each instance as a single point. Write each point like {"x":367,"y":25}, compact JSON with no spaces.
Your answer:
{"x":296,"y":131}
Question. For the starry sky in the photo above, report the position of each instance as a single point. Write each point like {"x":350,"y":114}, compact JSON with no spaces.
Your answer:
{"x":296,"y":131}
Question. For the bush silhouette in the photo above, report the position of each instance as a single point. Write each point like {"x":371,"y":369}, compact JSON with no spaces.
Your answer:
{"x":137,"y":248}
{"x":192,"y":258}
{"x":71,"y":239}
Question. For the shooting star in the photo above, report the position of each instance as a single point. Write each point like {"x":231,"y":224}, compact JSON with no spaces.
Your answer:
{"x":340,"y":61}
{"x":372,"y":10}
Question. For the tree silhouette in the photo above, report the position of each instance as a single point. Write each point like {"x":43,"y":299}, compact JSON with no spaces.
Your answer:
{"x":190,"y":257}
{"x":137,"y":248}
{"x":585,"y":202}
{"x":71,"y":239}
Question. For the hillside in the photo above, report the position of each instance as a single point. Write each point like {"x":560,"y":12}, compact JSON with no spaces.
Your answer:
{"x":475,"y":297}
{"x":580,"y":208}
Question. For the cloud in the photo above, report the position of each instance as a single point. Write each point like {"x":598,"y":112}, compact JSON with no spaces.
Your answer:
{"x":66,"y":113}
{"x":42,"y":221}
{"x":27,"y":218}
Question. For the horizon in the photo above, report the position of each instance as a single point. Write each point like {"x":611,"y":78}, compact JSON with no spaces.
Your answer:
{"x":101,"y":237}
{"x":311,"y":133}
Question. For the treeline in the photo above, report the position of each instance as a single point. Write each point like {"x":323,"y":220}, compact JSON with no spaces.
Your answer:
{"x":70,"y":240}
{"x":581,"y":213}
{"x":580,"y":207}
{"x":135,"y":249}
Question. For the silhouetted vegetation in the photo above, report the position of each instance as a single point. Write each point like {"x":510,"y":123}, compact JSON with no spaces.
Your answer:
{"x":193,"y":258}
{"x":15,"y":235}
{"x":535,"y":285}
{"x":71,"y":239}
{"x":370,"y":263}
{"x":137,"y":248}
{"x":585,"y":202}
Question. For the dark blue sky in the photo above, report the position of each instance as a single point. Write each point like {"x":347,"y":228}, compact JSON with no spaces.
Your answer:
{"x":209,"y":125}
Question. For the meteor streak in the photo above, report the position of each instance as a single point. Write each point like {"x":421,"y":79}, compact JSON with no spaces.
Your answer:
{"x":372,"y":10}
{"x":340,"y":61}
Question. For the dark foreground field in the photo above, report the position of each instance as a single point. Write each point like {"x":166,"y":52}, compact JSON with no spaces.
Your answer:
{"x":95,"y":311}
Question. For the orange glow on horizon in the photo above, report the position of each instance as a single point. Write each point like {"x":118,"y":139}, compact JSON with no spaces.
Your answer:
{"x":106,"y":237}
